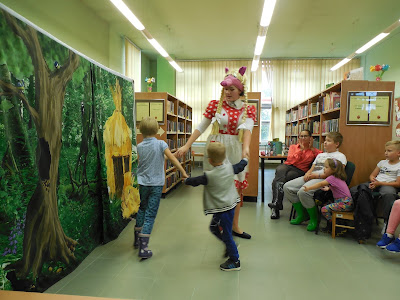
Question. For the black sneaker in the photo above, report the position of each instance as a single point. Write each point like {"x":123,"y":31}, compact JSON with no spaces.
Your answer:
{"x":230,"y":265}
{"x":275,"y":214}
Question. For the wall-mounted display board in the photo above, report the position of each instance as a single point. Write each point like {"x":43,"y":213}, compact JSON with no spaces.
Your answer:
{"x":150,"y":108}
{"x":369,"y":108}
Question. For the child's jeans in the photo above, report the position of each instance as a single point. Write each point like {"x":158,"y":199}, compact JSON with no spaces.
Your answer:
{"x":149,"y":202}
{"x":340,"y":204}
{"x":225,"y":220}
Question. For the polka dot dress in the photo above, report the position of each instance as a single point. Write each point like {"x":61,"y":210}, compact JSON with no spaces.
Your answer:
{"x":228,"y":135}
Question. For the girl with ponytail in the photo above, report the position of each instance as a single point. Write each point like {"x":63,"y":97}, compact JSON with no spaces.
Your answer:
{"x":232,"y":122}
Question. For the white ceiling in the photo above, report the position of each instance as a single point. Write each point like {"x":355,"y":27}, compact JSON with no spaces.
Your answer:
{"x":220,"y":29}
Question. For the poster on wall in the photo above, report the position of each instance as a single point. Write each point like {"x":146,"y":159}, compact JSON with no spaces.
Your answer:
{"x":369,"y":108}
{"x":56,"y":204}
{"x":396,"y":119}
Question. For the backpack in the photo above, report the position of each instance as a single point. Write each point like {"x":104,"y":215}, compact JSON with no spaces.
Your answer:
{"x":363,"y":213}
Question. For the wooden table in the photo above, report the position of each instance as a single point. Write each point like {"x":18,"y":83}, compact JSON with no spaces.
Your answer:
{"x":282,"y":158}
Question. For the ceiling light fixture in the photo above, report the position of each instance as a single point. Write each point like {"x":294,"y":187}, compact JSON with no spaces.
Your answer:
{"x":267,"y":12}
{"x":139,"y":26}
{"x":368,"y":45}
{"x":259,"y":45}
{"x":266,"y":16}
{"x":372,"y":42}
{"x":128,"y":14}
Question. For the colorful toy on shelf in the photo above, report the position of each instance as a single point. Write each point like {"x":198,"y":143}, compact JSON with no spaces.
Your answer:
{"x":381,"y":69}
{"x":150,"y":81}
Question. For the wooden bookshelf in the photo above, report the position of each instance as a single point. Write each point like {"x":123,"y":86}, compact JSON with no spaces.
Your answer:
{"x":251,"y":192}
{"x":327,"y":112}
{"x":176,"y":130}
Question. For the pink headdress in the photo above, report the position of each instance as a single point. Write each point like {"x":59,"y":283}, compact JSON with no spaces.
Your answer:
{"x":231,"y":79}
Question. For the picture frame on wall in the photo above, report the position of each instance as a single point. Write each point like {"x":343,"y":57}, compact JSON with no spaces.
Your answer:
{"x":150,"y":108}
{"x":369,"y":108}
{"x":255,"y":102}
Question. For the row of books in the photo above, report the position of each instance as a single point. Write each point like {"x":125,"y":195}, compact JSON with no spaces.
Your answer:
{"x":181,"y":111}
{"x":171,"y":144}
{"x":171,"y":126}
{"x":171,"y":179}
{"x":188,"y":128}
{"x":170,"y":107}
{"x":303,"y":111}
{"x":331,"y":101}
{"x":181,"y":127}
{"x":330,"y":126}
{"x":188,"y":114}
{"x":293,"y":140}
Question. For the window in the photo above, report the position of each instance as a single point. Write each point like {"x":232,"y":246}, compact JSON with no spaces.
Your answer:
{"x":266,"y":109}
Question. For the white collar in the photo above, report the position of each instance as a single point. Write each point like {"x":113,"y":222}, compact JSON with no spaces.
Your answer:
{"x":235,"y":104}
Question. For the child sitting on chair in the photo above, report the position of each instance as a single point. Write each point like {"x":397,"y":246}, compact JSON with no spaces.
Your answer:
{"x":385,"y":178}
{"x":335,"y":181}
{"x":301,"y":198}
{"x":220,"y":198}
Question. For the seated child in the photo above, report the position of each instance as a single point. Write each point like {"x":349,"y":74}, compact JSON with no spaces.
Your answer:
{"x":220,"y":198}
{"x":335,"y":181}
{"x":301,"y":198}
{"x":388,"y":241}
{"x":385,"y":178}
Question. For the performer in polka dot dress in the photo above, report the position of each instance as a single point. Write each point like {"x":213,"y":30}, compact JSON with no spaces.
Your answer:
{"x":232,"y":120}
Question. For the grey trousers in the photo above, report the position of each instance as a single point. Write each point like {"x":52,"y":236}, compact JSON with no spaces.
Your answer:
{"x":295,"y":193}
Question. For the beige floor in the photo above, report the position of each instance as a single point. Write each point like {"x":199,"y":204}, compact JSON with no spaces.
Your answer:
{"x":281,"y":261}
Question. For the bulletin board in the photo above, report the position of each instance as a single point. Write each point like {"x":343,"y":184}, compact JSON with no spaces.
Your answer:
{"x":369,"y":108}
{"x":150,"y":108}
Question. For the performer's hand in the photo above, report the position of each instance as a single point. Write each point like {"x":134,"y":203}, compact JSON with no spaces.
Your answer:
{"x":181,"y":151}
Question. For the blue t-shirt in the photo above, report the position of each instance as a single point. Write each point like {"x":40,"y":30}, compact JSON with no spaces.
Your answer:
{"x":151,"y":162}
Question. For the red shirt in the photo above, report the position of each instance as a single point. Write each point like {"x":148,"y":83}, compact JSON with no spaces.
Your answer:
{"x":301,"y":159}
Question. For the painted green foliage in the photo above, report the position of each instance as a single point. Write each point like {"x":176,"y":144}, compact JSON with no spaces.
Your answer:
{"x":30,"y":168}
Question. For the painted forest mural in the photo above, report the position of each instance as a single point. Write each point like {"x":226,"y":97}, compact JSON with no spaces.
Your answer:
{"x":55,"y":199}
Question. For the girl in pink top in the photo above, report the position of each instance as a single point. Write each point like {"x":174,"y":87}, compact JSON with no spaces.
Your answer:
{"x":335,"y":181}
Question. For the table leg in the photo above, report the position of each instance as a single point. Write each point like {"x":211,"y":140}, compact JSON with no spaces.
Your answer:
{"x":262,"y":180}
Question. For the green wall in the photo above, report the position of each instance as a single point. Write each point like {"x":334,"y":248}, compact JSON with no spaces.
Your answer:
{"x":165,"y":76}
{"x":75,"y":25}
{"x":386,"y":52}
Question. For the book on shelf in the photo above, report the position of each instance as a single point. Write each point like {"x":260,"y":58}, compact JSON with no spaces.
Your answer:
{"x":314,"y":108}
{"x":303,"y":111}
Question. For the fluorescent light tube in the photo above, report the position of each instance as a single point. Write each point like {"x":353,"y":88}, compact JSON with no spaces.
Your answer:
{"x":128,"y":14}
{"x":259,"y":45}
{"x":254,"y":65}
{"x":267,"y":12}
{"x":158,"y":47}
{"x":372,"y":42}
{"x":175,"y":65}
{"x":341,"y":63}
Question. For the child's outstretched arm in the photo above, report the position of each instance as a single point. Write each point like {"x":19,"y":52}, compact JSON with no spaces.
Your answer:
{"x":196,"y":181}
{"x":175,"y":162}
{"x":316,"y":186}
{"x":239,"y":167}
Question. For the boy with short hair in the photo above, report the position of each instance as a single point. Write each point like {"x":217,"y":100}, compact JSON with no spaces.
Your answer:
{"x":385,"y":178}
{"x":305,"y":199}
{"x":151,"y":179}
{"x":220,"y":198}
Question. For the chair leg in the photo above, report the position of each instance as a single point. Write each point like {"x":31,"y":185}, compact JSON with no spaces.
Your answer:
{"x":333,"y":224}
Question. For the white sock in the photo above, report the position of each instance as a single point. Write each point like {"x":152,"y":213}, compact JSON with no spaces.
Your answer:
{"x":389,"y":235}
